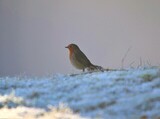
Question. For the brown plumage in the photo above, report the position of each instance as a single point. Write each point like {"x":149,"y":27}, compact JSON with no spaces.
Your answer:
{"x":79,"y":59}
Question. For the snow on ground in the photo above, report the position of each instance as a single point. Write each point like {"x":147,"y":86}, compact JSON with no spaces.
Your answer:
{"x":125,"y":94}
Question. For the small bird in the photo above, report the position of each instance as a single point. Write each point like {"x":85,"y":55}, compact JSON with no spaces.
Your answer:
{"x":79,"y":60}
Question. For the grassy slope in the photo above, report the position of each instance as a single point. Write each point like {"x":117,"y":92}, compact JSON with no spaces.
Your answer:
{"x":132,"y":94}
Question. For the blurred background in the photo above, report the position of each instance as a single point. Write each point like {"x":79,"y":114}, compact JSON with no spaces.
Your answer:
{"x":33,"y":34}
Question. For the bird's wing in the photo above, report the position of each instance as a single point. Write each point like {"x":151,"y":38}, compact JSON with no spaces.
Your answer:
{"x":81,"y":58}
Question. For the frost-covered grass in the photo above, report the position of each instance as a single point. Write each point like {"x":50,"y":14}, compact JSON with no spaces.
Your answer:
{"x":123,"y":94}
{"x":34,"y":113}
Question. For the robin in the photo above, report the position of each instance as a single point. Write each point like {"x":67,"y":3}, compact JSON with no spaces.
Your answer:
{"x":79,"y":59}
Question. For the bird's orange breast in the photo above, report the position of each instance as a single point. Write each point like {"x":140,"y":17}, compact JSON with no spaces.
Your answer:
{"x":70,"y":53}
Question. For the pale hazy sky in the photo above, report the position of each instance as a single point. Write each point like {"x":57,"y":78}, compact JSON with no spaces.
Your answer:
{"x":33,"y":34}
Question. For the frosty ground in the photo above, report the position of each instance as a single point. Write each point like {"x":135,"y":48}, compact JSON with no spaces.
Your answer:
{"x":123,"y":94}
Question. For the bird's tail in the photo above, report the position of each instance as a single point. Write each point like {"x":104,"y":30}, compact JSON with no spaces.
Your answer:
{"x":95,"y":67}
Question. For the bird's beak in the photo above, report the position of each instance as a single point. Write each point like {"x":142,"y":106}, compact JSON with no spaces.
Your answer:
{"x":66,"y":47}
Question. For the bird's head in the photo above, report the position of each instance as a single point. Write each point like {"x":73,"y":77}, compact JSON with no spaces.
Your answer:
{"x":72,"y":47}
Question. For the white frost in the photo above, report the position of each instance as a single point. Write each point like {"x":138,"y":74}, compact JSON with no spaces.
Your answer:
{"x":129,"y":94}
